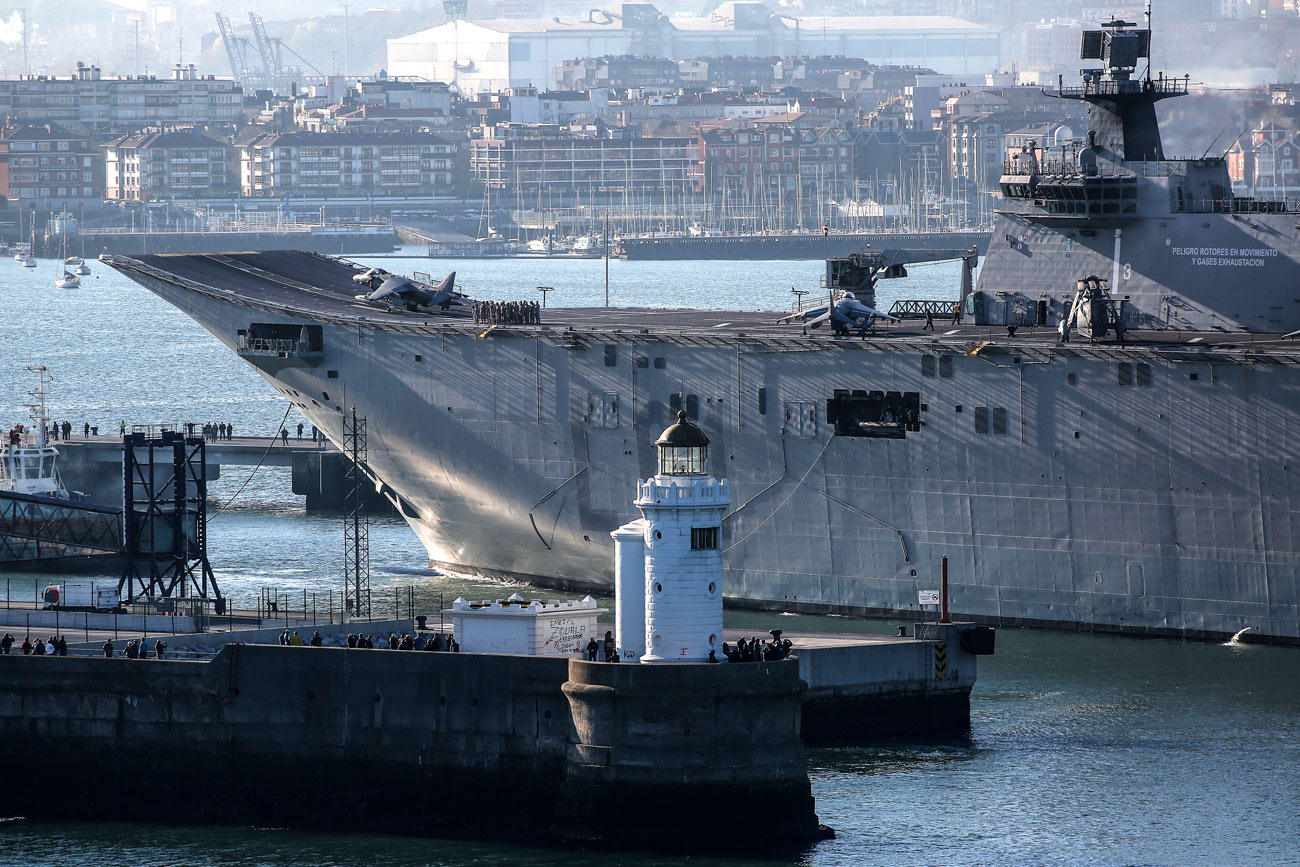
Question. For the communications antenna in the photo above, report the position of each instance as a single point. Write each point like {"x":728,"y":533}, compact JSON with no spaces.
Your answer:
{"x":22,"y":13}
{"x":356,"y":524}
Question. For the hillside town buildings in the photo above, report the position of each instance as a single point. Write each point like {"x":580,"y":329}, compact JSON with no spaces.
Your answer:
{"x":480,"y":56}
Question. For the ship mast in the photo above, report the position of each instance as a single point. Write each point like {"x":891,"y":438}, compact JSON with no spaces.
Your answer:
{"x":40,"y":416}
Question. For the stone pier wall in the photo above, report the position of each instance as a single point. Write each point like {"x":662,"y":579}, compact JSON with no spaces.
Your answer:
{"x":412,"y":743}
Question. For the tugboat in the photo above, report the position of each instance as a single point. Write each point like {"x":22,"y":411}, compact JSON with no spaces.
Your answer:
{"x":27,"y":460}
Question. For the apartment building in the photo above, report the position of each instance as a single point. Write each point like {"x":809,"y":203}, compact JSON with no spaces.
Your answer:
{"x":346,"y":164}
{"x":88,"y":101}
{"x":782,"y":160}
{"x":164,"y":164}
{"x":48,"y":167}
{"x":558,"y":163}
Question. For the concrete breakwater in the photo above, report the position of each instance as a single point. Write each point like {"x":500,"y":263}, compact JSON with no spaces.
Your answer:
{"x":539,"y":749}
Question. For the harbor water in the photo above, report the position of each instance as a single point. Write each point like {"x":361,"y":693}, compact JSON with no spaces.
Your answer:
{"x":1084,"y":749}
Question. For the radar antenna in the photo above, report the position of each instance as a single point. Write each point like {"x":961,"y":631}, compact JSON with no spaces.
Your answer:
{"x":1148,"y":15}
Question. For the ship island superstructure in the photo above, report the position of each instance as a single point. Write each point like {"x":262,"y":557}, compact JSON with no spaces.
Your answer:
{"x":1147,"y":485}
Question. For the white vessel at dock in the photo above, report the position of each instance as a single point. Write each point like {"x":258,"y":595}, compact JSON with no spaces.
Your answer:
{"x":28,"y":463}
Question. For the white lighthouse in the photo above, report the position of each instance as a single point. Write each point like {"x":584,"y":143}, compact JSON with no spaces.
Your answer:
{"x":680,"y":574}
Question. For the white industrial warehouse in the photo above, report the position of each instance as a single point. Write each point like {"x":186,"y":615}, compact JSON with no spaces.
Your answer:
{"x":493,"y":55}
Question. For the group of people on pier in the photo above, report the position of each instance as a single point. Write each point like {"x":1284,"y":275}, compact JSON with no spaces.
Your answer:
{"x":361,"y":641}
{"x":138,"y":648}
{"x":605,"y":648}
{"x":435,"y":641}
{"x":55,"y":645}
{"x":745,"y":649}
{"x":755,"y":650}
{"x":61,"y":430}
{"x":214,"y":431}
{"x":507,"y":313}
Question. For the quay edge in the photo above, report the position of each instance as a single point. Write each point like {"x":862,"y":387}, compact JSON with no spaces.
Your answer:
{"x":507,"y":747}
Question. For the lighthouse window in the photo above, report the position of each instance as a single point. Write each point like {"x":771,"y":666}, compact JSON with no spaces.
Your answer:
{"x":704,"y":538}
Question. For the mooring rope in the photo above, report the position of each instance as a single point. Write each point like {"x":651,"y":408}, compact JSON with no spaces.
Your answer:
{"x":270,"y":446}
{"x":793,"y":490}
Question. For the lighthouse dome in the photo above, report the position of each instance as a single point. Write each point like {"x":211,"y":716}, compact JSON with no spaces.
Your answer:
{"x":683,"y":449}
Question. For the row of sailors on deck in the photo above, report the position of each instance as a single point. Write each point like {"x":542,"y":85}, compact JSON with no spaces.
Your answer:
{"x":507,"y":312}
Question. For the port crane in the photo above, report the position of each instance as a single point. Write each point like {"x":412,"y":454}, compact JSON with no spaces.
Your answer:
{"x":269,"y":72}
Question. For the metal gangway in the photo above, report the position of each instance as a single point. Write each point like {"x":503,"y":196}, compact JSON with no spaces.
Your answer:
{"x":34,"y":527}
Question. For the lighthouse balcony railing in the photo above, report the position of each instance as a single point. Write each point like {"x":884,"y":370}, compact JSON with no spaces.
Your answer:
{"x":657,"y":492}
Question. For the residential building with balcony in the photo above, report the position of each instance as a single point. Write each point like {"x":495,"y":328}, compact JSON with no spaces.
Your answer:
{"x":48,"y":167}
{"x":88,"y":101}
{"x":346,"y":164}
{"x":558,"y":163}
{"x":167,"y":164}
{"x":795,"y":160}
{"x":1266,"y":164}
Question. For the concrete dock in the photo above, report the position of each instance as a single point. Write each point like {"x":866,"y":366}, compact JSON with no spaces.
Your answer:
{"x":858,"y":687}
{"x":93,"y":466}
{"x":536,"y":748}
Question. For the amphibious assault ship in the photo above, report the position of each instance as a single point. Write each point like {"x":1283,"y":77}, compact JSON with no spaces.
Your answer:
{"x":1142,"y":480}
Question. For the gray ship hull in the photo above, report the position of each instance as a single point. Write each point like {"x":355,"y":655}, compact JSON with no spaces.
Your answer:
{"x":1064,"y":491}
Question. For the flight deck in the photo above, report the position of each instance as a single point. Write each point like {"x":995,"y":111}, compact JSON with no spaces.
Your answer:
{"x":322,"y":287}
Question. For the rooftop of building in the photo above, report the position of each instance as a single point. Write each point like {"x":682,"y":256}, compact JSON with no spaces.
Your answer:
{"x":172,"y":138}
{"x":37,"y":132}
{"x":299,"y":138}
